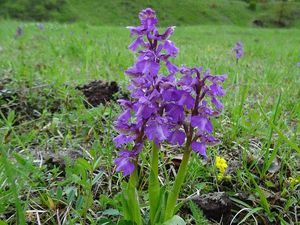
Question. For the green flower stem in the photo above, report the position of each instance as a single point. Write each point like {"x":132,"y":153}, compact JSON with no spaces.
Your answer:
{"x":154,"y":186}
{"x":133,"y":198}
{"x":172,"y":198}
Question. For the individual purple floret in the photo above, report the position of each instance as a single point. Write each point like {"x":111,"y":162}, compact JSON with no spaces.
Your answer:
{"x":298,"y":64}
{"x":163,"y":108}
{"x":238,"y":50}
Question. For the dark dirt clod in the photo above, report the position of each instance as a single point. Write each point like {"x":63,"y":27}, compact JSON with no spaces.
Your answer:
{"x":258,"y":23}
{"x":281,"y":23}
{"x":60,"y":158}
{"x":27,"y":100}
{"x":99,"y":92}
{"x":215,"y":206}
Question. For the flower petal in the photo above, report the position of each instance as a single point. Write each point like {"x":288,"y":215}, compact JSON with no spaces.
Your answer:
{"x":177,"y":136}
{"x":199,"y":148}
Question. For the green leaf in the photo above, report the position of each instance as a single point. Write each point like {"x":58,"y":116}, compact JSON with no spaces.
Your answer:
{"x":111,"y":212}
{"x":2,"y":222}
{"x":97,"y":163}
{"x":160,"y":212}
{"x":251,"y":212}
{"x":154,"y":186}
{"x":175,"y":220}
{"x":268,"y":162}
{"x":20,"y":159}
{"x":197,"y":213}
{"x":126,"y":222}
{"x":79,"y":202}
{"x":70,"y":195}
{"x":97,"y":177}
{"x":105,"y":222}
{"x":85,"y":164}
{"x":270,"y":184}
{"x":125,"y":206}
{"x":263,"y":200}
{"x":240,"y":202}
{"x":59,"y":193}
{"x":282,"y":221}
{"x":11,"y":118}
{"x":134,"y":206}
{"x":130,"y":202}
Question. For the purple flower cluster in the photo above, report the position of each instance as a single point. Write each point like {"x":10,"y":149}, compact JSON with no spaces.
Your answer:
{"x":298,"y":64}
{"x":238,"y":50}
{"x":163,"y":108}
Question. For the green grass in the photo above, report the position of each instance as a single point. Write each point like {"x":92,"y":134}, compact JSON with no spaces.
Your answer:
{"x":177,"y":12}
{"x":261,"y":116}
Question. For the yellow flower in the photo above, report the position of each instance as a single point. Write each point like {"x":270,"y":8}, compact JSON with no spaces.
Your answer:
{"x":293,"y":181}
{"x":222,"y":165}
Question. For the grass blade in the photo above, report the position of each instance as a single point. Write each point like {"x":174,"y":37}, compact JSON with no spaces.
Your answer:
{"x":288,"y":141}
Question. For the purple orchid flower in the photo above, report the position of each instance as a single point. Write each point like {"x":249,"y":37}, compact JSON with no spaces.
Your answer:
{"x":238,"y":50}
{"x":164,"y":108}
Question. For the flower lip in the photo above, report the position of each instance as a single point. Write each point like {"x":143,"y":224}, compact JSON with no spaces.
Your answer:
{"x":124,"y":163}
